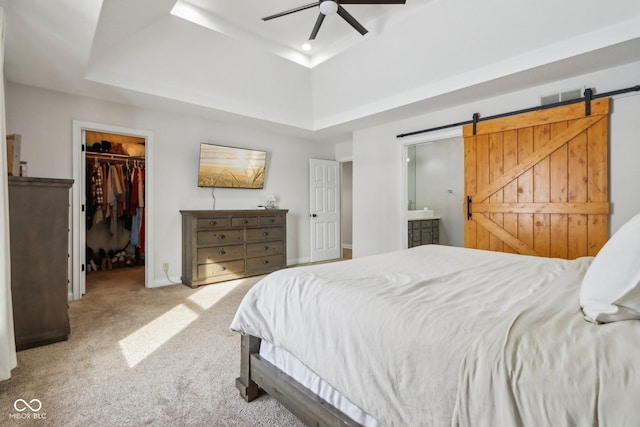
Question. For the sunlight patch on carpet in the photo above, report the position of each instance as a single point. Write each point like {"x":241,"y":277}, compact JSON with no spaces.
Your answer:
{"x":143,"y":342}
{"x":208,"y":296}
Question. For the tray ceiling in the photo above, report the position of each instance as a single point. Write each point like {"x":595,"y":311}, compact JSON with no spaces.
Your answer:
{"x":225,"y":63}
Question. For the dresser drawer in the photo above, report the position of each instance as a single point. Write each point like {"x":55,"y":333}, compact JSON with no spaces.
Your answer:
{"x":268,"y":248}
{"x":221,"y":269}
{"x":265,"y":234}
{"x":208,"y":223}
{"x":220,"y":237}
{"x":272,"y":220}
{"x":244,"y":221}
{"x":265,"y":263}
{"x":220,"y":253}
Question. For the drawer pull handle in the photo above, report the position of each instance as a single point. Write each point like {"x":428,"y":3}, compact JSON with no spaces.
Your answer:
{"x":273,"y":220}
{"x":266,"y":233}
{"x":222,"y":268}
{"x":221,"y":252}
{"x":266,"y":248}
{"x":266,"y":261}
{"x":213,"y":223}
{"x":221,"y":236}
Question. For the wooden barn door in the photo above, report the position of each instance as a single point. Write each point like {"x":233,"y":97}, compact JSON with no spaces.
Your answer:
{"x":537,"y":183}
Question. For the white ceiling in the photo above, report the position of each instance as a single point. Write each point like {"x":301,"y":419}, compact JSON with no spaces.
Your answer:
{"x":226,"y":63}
{"x":285,"y":35}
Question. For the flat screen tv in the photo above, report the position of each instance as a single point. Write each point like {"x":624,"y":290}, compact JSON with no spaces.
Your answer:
{"x":231,"y":167}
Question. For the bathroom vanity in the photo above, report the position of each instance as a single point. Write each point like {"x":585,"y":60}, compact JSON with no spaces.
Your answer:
{"x":424,"y":232}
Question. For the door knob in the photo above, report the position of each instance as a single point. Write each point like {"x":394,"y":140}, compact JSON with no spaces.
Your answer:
{"x":314,"y":215}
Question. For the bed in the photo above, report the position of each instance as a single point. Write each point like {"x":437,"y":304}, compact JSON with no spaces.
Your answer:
{"x":441,"y":336}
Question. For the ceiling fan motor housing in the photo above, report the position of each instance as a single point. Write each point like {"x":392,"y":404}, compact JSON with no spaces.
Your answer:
{"x":328,"y":7}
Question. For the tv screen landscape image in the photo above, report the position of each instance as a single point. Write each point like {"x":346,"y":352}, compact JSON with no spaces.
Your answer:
{"x":230,"y":167}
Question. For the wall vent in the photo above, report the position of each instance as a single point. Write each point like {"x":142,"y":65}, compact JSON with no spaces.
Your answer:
{"x":562,"y":96}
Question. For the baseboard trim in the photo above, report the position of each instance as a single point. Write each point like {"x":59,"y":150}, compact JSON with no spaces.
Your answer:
{"x":298,"y":261}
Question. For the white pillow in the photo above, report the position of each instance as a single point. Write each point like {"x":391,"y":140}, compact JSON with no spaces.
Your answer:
{"x":610,"y":289}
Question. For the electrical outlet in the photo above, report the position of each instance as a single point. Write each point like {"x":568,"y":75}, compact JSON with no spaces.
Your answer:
{"x":165,"y":266}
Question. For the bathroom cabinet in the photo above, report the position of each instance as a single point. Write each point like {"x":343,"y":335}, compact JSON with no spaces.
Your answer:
{"x":424,"y":232}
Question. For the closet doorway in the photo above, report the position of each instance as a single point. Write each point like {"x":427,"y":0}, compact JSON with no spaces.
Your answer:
{"x":111,"y":207}
{"x":114,"y":208}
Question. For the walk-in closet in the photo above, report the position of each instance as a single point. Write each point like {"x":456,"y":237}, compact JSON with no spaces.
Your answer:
{"x":114,"y":208}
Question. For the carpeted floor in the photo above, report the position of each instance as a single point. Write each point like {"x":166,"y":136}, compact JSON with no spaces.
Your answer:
{"x":136,"y":356}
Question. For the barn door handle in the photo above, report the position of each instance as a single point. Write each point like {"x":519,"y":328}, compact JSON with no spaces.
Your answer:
{"x":468,"y":208}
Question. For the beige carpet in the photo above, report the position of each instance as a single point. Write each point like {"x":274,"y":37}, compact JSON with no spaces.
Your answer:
{"x":136,"y":356}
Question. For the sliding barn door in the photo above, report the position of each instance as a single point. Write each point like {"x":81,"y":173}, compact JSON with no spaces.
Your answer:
{"x":537,"y":183}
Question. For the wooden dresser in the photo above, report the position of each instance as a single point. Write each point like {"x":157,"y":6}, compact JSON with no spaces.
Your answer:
{"x":424,"y":232}
{"x":39,"y":227}
{"x":225,"y":245}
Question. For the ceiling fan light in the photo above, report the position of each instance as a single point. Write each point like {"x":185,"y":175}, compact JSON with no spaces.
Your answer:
{"x":328,"y":7}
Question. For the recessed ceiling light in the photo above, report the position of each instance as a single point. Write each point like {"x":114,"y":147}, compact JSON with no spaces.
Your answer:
{"x":306,"y":47}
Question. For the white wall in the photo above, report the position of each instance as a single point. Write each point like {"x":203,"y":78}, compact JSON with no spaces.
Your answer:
{"x":377,"y":174}
{"x":447,"y":46}
{"x":378,"y":200}
{"x":44,"y":119}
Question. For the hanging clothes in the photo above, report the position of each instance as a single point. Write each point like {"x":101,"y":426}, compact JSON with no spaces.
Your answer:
{"x":105,"y":185}
{"x":97,"y":190}
{"x":133,"y":195}
{"x":115,"y":196}
{"x":141,"y":187}
{"x":90,"y":195}
{"x":137,"y":207}
{"x":142,"y":231}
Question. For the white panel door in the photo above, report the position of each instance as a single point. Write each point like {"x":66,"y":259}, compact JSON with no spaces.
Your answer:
{"x":324,"y":196}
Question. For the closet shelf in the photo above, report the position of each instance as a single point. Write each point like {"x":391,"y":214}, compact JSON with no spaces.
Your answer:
{"x":111,"y":156}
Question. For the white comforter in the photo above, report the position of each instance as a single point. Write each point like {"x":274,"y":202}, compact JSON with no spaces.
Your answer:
{"x":392,"y":332}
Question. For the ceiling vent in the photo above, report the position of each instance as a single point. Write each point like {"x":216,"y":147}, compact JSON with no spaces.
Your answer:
{"x":562,"y":96}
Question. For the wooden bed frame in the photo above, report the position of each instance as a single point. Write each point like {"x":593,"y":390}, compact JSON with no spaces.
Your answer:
{"x":258,"y":374}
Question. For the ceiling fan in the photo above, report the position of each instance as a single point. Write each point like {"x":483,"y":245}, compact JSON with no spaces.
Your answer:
{"x":329,"y":7}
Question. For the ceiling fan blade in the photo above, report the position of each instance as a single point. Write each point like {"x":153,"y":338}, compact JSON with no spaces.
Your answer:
{"x":351,"y":20}
{"x":288,"y":12}
{"x":316,"y":27}
{"x":372,"y":1}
